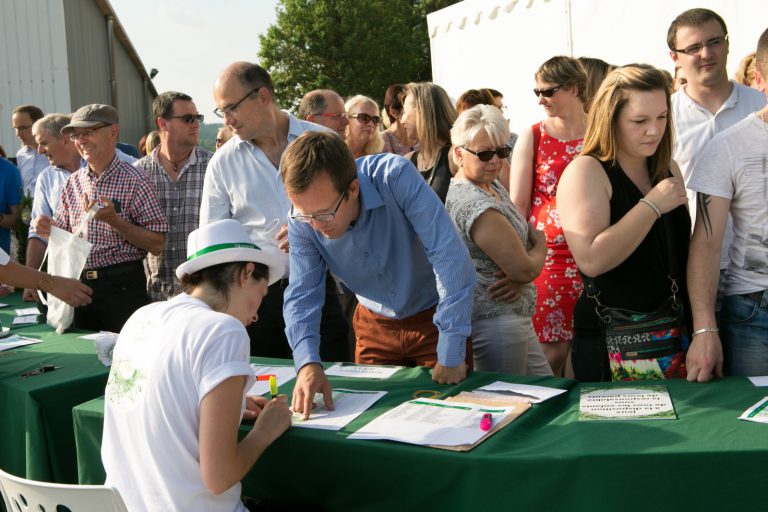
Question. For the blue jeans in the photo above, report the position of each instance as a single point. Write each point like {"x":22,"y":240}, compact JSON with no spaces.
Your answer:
{"x":744,"y":334}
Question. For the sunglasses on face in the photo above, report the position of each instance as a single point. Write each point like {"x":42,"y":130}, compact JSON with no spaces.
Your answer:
{"x":486,"y":156}
{"x":365,"y":118}
{"x":189,"y":118}
{"x":547,"y":93}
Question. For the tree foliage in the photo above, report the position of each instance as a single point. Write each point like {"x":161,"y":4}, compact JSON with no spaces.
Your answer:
{"x":350,"y":46}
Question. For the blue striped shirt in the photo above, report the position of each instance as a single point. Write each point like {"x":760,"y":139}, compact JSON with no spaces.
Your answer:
{"x":402,"y":256}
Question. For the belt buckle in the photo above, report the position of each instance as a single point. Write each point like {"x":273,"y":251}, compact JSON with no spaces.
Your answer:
{"x":91,"y":274}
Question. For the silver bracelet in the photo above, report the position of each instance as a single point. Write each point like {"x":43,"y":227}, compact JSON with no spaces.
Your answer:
{"x":652,"y":207}
{"x":705,"y":329}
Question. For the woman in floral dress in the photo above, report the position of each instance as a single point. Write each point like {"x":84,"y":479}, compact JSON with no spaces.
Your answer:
{"x":541,"y":155}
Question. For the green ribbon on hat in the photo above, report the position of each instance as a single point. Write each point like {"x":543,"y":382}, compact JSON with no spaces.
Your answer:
{"x":220,"y":247}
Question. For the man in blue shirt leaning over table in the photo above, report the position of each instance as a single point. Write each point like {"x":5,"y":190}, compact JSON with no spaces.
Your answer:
{"x":384,"y":232}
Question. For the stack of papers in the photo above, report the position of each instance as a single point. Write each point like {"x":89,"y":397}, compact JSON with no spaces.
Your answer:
{"x":26,"y":316}
{"x":362,"y":371}
{"x":425,"y":421}
{"x":348,"y":405}
{"x":524,"y":392}
{"x":758,"y":412}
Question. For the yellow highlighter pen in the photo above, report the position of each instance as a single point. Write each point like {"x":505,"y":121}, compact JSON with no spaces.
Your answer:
{"x":273,"y":386}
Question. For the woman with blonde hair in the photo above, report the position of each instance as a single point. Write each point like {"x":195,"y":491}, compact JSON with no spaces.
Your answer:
{"x":622,"y":205}
{"x":498,"y":239}
{"x":428,"y":115}
{"x":541,"y":155}
{"x":363,"y":131}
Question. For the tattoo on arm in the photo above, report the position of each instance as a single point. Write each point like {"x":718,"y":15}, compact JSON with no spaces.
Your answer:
{"x":702,"y":206}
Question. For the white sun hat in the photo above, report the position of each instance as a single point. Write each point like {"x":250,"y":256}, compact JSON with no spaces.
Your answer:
{"x":226,"y":241}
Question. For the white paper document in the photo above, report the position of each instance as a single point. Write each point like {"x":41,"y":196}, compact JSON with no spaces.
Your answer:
{"x":96,"y":335}
{"x":348,"y":404}
{"x":637,"y":403}
{"x":536,"y":394}
{"x":4,"y":305}
{"x":362,"y":371}
{"x":27,"y":311}
{"x":14,"y":341}
{"x":758,"y":412}
{"x":426,"y":421}
{"x":22,"y":320}
{"x":282,"y":373}
{"x":759,"y":382}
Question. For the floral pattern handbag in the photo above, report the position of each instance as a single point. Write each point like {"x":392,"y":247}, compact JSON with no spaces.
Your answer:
{"x":645,"y":345}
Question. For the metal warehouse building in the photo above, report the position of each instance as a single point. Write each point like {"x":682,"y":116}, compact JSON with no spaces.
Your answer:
{"x":63,"y":54}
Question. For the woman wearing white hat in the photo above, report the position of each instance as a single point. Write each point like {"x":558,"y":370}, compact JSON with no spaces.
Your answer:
{"x":177,"y":388}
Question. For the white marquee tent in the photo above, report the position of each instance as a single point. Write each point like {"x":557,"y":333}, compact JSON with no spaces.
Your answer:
{"x":500,"y":44}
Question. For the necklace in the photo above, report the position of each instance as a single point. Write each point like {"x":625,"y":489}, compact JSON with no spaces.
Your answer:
{"x":177,"y":162}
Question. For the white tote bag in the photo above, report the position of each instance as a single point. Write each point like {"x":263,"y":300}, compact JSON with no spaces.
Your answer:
{"x":66,"y":254}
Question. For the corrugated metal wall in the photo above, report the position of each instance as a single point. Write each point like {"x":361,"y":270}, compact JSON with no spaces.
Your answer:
{"x":88,"y":53}
{"x":89,"y":70}
{"x":33,"y":61}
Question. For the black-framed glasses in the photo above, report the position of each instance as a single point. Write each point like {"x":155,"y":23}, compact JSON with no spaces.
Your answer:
{"x":87,"y":133}
{"x":486,"y":156}
{"x":547,"y":93}
{"x":696,"y":49}
{"x":189,"y":118}
{"x":365,"y":118}
{"x":231,"y":108}
{"x":319,"y":217}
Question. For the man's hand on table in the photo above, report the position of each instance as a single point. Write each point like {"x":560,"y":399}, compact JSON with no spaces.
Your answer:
{"x":446,"y":375}
{"x":29,"y":295}
{"x":704,"y":359}
{"x":310,"y":380}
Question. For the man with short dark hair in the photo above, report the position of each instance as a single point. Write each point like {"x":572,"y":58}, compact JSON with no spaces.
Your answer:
{"x":730,"y":178}
{"x":384,"y":232}
{"x":243,"y":182}
{"x":709,"y":102}
{"x":64,"y":159}
{"x":325,"y":107}
{"x":28,"y":160}
{"x":127,"y":224}
{"x":177,"y":169}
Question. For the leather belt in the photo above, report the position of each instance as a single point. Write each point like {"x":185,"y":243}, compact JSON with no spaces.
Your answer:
{"x":112,"y":270}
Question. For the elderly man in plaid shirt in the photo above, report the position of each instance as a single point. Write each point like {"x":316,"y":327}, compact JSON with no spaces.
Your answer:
{"x":177,"y":168}
{"x":128,"y":223}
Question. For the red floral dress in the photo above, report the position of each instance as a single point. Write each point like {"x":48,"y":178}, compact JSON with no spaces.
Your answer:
{"x":559,"y":284}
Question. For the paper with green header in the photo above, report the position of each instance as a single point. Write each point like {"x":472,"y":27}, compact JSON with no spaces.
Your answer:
{"x":432,"y":422}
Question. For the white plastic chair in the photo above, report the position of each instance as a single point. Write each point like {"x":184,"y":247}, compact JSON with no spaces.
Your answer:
{"x":22,"y":495}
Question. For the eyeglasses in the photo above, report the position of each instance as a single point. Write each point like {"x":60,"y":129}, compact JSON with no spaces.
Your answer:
{"x":189,"y":118}
{"x":231,"y":109}
{"x":365,"y":118}
{"x":88,"y":133}
{"x":342,"y":115}
{"x":547,"y":93}
{"x":696,"y":49}
{"x":319,"y":217}
{"x":486,"y":156}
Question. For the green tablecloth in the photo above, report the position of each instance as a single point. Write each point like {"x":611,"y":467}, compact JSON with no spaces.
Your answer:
{"x":546,"y":460}
{"x":36,"y":435}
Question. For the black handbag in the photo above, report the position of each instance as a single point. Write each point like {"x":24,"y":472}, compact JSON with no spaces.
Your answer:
{"x":645,"y":345}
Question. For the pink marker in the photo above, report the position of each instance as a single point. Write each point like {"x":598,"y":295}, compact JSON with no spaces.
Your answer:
{"x":486,"y":422}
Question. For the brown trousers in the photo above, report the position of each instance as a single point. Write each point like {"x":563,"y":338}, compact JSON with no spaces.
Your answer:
{"x":408,"y":341}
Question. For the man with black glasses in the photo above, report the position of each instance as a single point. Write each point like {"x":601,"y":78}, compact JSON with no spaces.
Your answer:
{"x":177,"y":168}
{"x":243,"y":182}
{"x":127,"y":224}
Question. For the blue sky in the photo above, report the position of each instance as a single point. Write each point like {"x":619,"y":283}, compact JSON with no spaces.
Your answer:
{"x":191,"y":41}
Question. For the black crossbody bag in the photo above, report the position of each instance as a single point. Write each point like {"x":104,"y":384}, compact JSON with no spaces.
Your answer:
{"x":645,"y":345}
